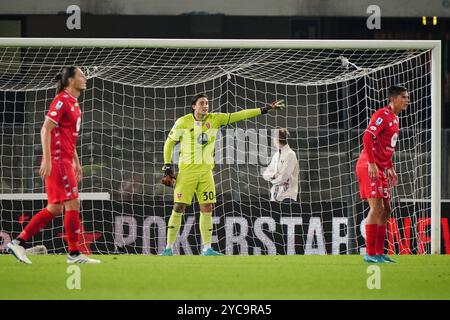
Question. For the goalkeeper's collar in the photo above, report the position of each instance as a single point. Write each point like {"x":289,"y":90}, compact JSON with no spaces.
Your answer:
{"x":206,"y":116}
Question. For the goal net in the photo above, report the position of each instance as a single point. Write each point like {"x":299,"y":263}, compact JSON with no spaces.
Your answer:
{"x":135,"y":94}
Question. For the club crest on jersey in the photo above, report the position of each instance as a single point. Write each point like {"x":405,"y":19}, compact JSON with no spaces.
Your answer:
{"x":208,"y":125}
{"x":379,"y":121}
{"x":179,"y":195}
{"x":76,"y":104}
{"x":58,"y":105}
{"x":395,"y":121}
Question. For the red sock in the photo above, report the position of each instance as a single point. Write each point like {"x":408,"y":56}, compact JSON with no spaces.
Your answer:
{"x":36,"y":223}
{"x":381,"y":237}
{"x":72,"y":228}
{"x":371,"y":236}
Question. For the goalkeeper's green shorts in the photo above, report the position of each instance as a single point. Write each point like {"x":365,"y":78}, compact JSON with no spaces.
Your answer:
{"x":200,"y":183}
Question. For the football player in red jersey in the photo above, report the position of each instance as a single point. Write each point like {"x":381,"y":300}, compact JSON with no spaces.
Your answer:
{"x":374,"y":163}
{"x":60,"y":167}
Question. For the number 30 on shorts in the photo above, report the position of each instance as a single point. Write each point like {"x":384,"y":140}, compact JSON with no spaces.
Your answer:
{"x":208,"y":196}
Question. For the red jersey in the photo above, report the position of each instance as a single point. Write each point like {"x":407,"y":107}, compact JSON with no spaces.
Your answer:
{"x":383,"y":127}
{"x":66,"y":114}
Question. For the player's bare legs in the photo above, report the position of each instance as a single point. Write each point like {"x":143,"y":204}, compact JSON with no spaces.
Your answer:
{"x":376,"y":212}
{"x":55,"y":209}
{"x":179,"y":207}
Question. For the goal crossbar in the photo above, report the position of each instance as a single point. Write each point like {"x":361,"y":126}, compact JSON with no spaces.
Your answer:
{"x":219,"y":43}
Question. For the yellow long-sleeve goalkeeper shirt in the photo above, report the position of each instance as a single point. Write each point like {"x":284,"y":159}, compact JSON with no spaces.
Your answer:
{"x":197,"y":138}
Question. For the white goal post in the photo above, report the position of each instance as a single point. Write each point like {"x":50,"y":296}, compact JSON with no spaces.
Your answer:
{"x":385,"y":45}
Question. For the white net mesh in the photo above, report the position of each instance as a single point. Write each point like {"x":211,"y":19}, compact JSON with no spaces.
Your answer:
{"x":135,"y":95}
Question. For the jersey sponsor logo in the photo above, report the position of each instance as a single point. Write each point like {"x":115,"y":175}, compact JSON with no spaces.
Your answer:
{"x":394,"y":140}
{"x":373,"y":128}
{"x":58,"y":105}
{"x":379,"y":121}
{"x":53,"y":113}
{"x":202,"y":138}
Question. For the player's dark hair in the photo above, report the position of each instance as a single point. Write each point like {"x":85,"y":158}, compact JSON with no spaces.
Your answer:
{"x":394,"y":91}
{"x":198,"y":96}
{"x":62,"y":78}
{"x":283,"y":135}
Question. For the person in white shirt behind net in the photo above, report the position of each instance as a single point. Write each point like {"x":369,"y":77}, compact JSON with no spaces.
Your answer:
{"x":283,"y":170}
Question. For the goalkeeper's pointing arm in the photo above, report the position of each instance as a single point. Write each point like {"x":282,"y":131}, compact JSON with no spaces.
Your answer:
{"x":251,"y":113}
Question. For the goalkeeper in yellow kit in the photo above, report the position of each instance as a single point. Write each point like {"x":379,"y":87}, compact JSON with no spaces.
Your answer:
{"x":197,"y":134}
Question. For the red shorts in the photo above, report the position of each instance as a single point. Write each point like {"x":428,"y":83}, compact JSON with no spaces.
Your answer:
{"x":62,"y":184}
{"x":371,"y":188}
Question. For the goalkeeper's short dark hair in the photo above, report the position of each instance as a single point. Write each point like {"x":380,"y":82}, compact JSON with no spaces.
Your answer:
{"x":394,"y":91}
{"x":283,"y":135}
{"x":198,"y":96}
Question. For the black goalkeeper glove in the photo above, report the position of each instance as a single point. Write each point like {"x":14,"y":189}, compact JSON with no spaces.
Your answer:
{"x":169,"y":177}
{"x":279,"y":104}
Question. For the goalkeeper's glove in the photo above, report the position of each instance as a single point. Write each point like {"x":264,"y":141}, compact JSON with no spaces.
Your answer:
{"x":169,"y":177}
{"x":279,"y":104}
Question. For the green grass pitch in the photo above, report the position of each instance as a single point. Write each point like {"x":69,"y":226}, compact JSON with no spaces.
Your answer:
{"x":227,"y":277}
